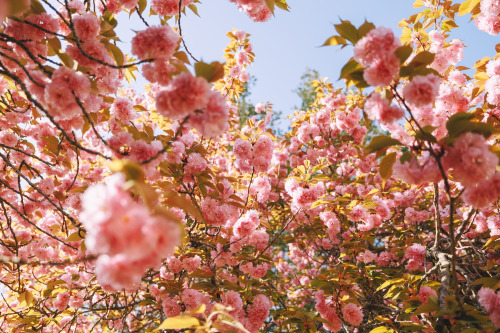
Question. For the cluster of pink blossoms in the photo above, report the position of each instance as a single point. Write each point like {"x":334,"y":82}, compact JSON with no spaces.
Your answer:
{"x":123,"y":233}
{"x":188,"y":96}
{"x":422,"y":90}
{"x":256,"y":9}
{"x":377,"y":52}
{"x":490,"y":301}
{"x":378,"y":108}
{"x":61,"y":93}
{"x":303,"y":196}
{"x":474,"y":167}
{"x":169,"y":7}
{"x":418,"y":171}
{"x":415,"y":255}
{"x":257,"y":156}
{"x":492,"y":85}
{"x":155,"y":42}
{"x":489,"y":19}
{"x":351,"y":313}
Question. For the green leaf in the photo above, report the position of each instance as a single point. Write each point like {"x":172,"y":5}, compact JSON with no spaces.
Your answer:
{"x":426,"y":308}
{"x":388,"y":283}
{"x":193,"y":9}
{"x":461,"y":123}
{"x":358,"y":79}
{"x":380,"y":142}
{"x":447,"y":25}
{"x":426,"y":134}
{"x":283,"y":5}
{"x":365,"y":28}
{"x":212,"y":72}
{"x":36,"y":7}
{"x":117,"y":54}
{"x":459,"y":116}
{"x":270,"y":5}
{"x":424,"y":58}
{"x":406,"y":71}
{"x":179,"y":322}
{"x":488,"y":282}
{"x":17,"y":7}
{"x":335,"y":40}
{"x":385,"y":167}
{"x":74,"y":237}
{"x":350,"y":67}
{"x":347,"y":31}
{"x":382,"y":329}
{"x":423,"y":71}
{"x":142,"y":5}
{"x":404,"y":52}
{"x":182,"y":56}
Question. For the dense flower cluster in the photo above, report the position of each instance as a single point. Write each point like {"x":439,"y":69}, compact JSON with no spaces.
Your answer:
{"x":122,"y":232}
{"x":126,"y":211}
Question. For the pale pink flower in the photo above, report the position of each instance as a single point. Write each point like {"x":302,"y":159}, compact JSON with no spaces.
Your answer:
{"x":422,"y":90}
{"x":118,"y":272}
{"x":488,"y":23}
{"x":488,"y":299}
{"x":196,"y":164}
{"x":418,"y":171}
{"x":174,"y":265}
{"x":60,"y":93}
{"x":358,"y":213}
{"x":456,"y":77}
{"x":493,"y":67}
{"x":183,"y":96}
{"x":255,"y":9}
{"x":262,"y":188}
{"x":192,"y":263}
{"x":129,"y":4}
{"x":416,"y":251}
{"x":212,"y":120}
{"x":259,"y":107}
{"x":61,"y":301}
{"x":233,"y":299}
{"x":378,"y":108}
{"x":352,"y":314}
{"x":376,"y":43}
{"x":8,"y":138}
{"x":86,"y":26}
{"x":328,"y":312}
{"x":437,"y":41}
{"x":490,"y":7}
{"x":168,"y":7}
{"x":382,"y":70}
{"x":492,"y":88}
{"x":471,"y":160}
{"x":246,"y":224}
{"x":155,"y":42}
{"x":123,"y":109}
{"x":451,"y":100}
{"x":425,"y":292}
{"x":481,"y":195}
{"x":170,"y":307}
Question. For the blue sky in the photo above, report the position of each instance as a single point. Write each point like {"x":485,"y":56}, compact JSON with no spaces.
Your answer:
{"x":289,"y":43}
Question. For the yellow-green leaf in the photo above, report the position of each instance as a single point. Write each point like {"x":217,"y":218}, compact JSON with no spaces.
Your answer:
{"x":335,"y":40}
{"x":74,"y":237}
{"x":380,"y":142}
{"x":382,"y":329}
{"x":212,"y":72}
{"x":179,"y":322}
{"x":385,"y":168}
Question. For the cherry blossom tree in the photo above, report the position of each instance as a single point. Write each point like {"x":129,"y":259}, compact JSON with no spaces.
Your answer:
{"x":125,"y":211}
